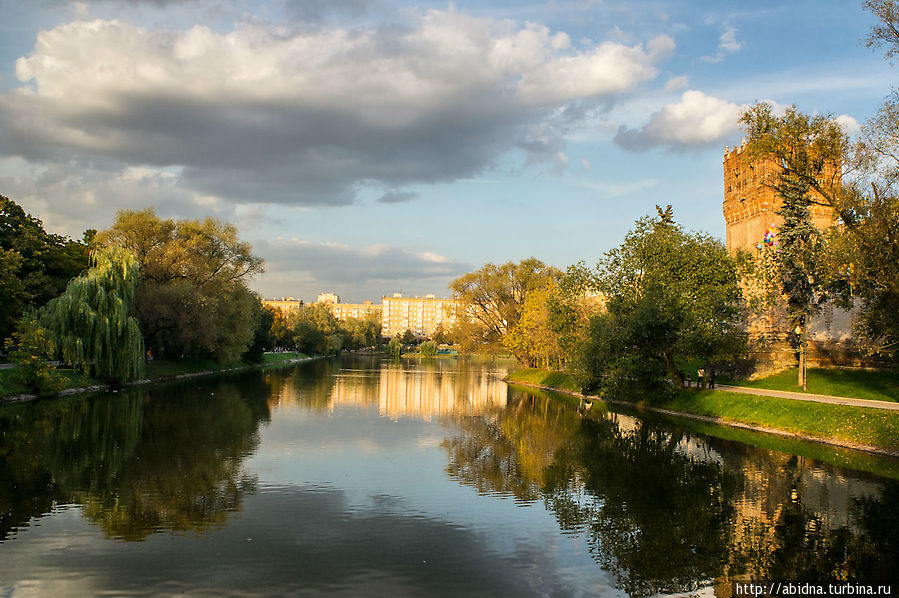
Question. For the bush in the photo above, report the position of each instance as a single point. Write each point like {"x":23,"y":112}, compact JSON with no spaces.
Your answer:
{"x":428,"y":349}
{"x":29,"y":350}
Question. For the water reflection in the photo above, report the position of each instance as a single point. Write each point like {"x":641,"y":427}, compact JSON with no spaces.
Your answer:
{"x":670,"y":512}
{"x":410,"y":389}
{"x":137,"y":462}
{"x":650,"y":506}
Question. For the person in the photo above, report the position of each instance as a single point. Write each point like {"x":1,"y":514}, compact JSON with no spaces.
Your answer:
{"x":712,"y":378}
{"x":700,"y":374}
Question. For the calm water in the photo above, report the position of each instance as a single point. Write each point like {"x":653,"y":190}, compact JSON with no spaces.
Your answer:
{"x":362,"y":477}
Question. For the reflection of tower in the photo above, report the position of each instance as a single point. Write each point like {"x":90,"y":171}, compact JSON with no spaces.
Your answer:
{"x":750,"y":203}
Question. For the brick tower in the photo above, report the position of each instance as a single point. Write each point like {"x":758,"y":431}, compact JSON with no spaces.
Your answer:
{"x":750,"y":205}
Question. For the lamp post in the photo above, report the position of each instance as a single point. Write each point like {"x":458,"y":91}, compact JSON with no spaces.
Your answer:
{"x":801,"y":336}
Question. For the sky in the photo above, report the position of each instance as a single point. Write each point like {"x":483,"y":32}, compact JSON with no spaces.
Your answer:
{"x":366,"y":147}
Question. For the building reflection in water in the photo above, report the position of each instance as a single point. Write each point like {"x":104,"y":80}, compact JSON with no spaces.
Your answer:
{"x":420,"y":390}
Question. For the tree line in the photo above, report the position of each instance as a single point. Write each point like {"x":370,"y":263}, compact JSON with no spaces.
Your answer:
{"x":146,"y":288}
{"x":667,"y":299}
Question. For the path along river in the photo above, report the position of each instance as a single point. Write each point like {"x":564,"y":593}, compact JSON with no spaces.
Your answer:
{"x":360,"y":476}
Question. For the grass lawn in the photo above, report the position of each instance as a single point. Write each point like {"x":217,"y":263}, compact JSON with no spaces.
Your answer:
{"x":857,"y":384}
{"x":856,"y":425}
{"x":860,"y":425}
{"x":551,"y":378}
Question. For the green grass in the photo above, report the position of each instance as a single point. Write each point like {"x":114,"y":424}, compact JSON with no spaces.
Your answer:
{"x":857,"y":384}
{"x":551,"y":378}
{"x":858,"y":425}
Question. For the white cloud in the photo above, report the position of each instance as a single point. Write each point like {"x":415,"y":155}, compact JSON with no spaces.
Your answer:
{"x":727,"y":44}
{"x":850,"y":125}
{"x":697,"y":120}
{"x":677,"y":83}
{"x":728,"y":41}
{"x":264,"y":114}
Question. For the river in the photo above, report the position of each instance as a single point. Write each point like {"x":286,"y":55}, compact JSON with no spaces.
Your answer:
{"x":361,"y":476}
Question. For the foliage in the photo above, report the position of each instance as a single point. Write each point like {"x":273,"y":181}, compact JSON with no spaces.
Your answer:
{"x":440,"y":335}
{"x":672,"y":298}
{"x":192,"y":299}
{"x":428,"y":349}
{"x":262,"y":336}
{"x":282,"y":337}
{"x":886,"y":34}
{"x":532,"y":340}
{"x":35,"y":266}
{"x":491,"y":300}
{"x":92,"y":325}
{"x":799,"y":263}
{"x":29,"y":350}
{"x":361,"y":332}
{"x":859,"y":183}
{"x":395,"y":347}
{"x":408,"y":337}
{"x":315,"y":330}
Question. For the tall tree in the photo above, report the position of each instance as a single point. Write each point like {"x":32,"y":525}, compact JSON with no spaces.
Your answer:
{"x":192,"y":298}
{"x":672,"y":298}
{"x":491,"y":300}
{"x":92,"y":323}
{"x":35,"y":266}
{"x":799,"y":264}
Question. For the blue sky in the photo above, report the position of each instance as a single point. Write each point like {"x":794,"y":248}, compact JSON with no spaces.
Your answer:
{"x":367,"y":147}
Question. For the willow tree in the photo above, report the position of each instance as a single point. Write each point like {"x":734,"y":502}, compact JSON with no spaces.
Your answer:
{"x":92,"y":323}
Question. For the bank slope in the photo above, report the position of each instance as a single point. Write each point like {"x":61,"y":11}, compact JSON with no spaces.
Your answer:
{"x":862,"y":428}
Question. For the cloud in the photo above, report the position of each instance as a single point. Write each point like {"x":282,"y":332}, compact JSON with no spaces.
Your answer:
{"x":396,"y":196}
{"x":727,"y":44}
{"x":267,"y":114}
{"x":677,"y":83}
{"x":850,"y":125}
{"x":612,"y":190}
{"x":303,"y":267}
{"x":698,"y":120}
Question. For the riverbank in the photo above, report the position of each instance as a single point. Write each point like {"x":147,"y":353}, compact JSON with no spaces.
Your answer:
{"x":860,"y":428}
{"x":157,"y":371}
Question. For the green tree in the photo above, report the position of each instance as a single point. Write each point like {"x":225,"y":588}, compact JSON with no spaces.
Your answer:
{"x":192,"y":299}
{"x":395,"y":348}
{"x":859,"y":182}
{"x":263,"y":340}
{"x":672,"y":299}
{"x":428,"y":349}
{"x":799,"y":264}
{"x":35,"y":266}
{"x":30,"y":349}
{"x":316,"y":330}
{"x":408,"y":337}
{"x":361,"y":332}
{"x":92,"y":324}
{"x":491,"y":300}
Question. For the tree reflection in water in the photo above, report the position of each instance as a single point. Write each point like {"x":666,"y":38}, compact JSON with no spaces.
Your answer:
{"x":138,"y":462}
{"x":667,"y":512}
